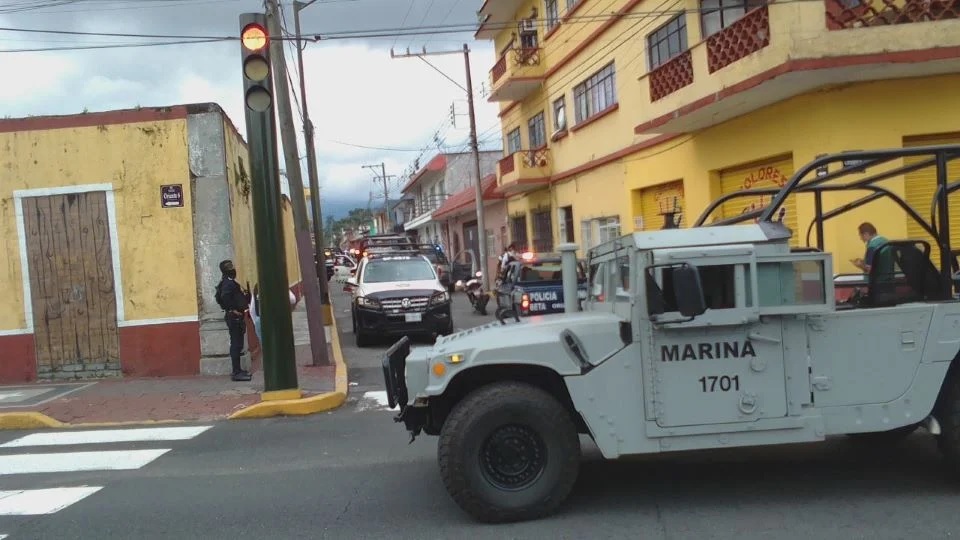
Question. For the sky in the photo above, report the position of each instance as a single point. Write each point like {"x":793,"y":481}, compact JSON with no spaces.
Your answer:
{"x":357,"y":95}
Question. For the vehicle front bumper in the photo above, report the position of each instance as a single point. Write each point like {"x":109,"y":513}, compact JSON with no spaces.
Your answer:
{"x":434,"y":319}
{"x":395,"y":372}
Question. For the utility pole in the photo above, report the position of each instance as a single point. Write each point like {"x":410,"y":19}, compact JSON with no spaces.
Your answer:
{"x":316,"y":211}
{"x":473,"y":145}
{"x":382,"y":176}
{"x":309,"y":278}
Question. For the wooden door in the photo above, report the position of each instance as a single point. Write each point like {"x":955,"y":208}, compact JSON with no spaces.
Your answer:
{"x":71,"y":281}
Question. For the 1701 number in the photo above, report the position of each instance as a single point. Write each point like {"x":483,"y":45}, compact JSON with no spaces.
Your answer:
{"x":714,"y":383}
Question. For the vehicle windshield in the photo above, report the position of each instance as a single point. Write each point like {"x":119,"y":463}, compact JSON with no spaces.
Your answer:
{"x":382,"y":271}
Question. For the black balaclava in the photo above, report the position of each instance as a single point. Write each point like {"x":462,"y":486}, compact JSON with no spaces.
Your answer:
{"x":226,"y":267}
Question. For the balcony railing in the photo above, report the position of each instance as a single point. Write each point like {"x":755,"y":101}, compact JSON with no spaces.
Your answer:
{"x":507,"y":165}
{"x":671,"y":76}
{"x":746,"y":36}
{"x":842,"y":15}
{"x":499,"y":69}
{"x":517,"y":72}
{"x":423,"y":205}
{"x":525,"y":169}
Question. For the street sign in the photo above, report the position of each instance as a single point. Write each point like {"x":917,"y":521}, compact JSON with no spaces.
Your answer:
{"x":171,"y":196}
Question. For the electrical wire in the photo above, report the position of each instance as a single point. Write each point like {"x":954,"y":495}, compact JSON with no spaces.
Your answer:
{"x":418,"y":30}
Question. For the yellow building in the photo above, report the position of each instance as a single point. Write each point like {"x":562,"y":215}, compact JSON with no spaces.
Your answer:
{"x":615,"y":112}
{"x":115,"y":223}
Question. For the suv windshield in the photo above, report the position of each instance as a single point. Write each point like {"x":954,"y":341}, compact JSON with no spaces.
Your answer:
{"x":382,"y":271}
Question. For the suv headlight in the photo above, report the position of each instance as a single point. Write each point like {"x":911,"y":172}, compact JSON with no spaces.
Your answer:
{"x":368,"y":302}
{"x":439,"y":298}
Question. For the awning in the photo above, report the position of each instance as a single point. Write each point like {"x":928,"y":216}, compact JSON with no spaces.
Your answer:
{"x":467,"y":198}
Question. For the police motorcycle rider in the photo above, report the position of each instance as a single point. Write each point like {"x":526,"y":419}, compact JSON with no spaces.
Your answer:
{"x":509,"y":256}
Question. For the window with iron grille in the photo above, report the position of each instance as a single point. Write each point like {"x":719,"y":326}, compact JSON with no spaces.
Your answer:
{"x":667,"y":41}
{"x":553,"y":14}
{"x":715,"y":15}
{"x":596,"y":94}
{"x":571,"y":4}
{"x":542,"y":232}
{"x":518,"y":232}
{"x":513,"y":141}
{"x":538,"y":131}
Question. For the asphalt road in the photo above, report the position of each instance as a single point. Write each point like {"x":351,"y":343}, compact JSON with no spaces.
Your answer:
{"x":351,"y":474}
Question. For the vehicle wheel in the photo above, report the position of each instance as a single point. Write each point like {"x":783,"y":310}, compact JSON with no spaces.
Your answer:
{"x":362,"y":339}
{"x":509,"y":452}
{"x":885,"y":438}
{"x":948,"y":414}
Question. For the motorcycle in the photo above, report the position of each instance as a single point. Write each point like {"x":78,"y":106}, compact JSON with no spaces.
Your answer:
{"x":475,"y":293}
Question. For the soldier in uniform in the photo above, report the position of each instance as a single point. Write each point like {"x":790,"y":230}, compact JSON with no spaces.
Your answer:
{"x":235,"y":303}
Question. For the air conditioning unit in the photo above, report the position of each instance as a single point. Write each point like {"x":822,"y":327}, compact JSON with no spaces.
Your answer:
{"x":528,"y":26}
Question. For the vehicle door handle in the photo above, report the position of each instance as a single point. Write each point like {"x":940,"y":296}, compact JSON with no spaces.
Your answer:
{"x":753,"y":336}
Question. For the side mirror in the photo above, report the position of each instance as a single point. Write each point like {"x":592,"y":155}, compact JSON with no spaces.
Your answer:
{"x":688,"y":292}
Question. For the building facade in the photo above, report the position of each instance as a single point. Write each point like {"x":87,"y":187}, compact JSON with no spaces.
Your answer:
{"x":429,"y":187}
{"x":458,"y":215}
{"x":116,"y":223}
{"x":618,"y":119}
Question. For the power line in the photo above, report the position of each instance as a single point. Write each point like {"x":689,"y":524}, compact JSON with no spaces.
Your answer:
{"x":394,"y":32}
{"x":113,"y":46}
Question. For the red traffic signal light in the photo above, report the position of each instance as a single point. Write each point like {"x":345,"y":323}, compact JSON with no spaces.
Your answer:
{"x":253,"y":37}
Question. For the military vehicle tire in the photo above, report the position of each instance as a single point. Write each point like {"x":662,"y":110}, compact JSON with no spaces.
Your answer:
{"x":509,"y":452}
{"x":948,"y":414}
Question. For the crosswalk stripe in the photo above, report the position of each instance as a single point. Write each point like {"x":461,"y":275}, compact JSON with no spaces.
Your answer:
{"x":34,"y":502}
{"x":78,"y":461}
{"x":107,"y":436}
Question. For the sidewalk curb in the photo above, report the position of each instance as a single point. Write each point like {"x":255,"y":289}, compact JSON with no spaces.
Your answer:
{"x":309,"y":405}
{"x":28,"y":420}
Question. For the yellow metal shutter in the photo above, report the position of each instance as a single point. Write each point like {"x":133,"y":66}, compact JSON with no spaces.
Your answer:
{"x":919,"y":189}
{"x":657,"y":199}
{"x":765,"y":175}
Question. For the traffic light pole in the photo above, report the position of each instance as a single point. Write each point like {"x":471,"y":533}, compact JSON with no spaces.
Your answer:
{"x":279,"y":358}
{"x":310,"y":281}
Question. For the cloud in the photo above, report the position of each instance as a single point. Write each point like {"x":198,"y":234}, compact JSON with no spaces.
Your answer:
{"x":356,"y":93}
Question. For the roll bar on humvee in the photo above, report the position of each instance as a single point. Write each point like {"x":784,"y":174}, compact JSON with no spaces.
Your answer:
{"x":816,"y":178}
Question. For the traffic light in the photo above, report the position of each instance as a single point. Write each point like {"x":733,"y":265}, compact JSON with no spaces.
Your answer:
{"x":255,"y":50}
{"x":279,"y":365}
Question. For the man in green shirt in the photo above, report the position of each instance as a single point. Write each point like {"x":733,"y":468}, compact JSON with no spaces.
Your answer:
{"x":885,"y":275}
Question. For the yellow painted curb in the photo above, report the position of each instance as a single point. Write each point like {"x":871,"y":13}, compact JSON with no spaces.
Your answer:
{"x":281,"y":395}
{"x":308,"y":405}
{"x":28,"y":420}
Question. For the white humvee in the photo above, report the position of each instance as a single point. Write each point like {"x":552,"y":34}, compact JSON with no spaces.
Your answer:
{"x":708,"y":337}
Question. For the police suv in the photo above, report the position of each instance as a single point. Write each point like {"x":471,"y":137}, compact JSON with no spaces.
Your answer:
{"x":398,"y":293}
{"x":716,"y":336}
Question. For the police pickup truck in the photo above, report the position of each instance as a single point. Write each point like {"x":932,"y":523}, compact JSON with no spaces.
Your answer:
{"x":715,"y":336}
{"x":533,"y":286}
